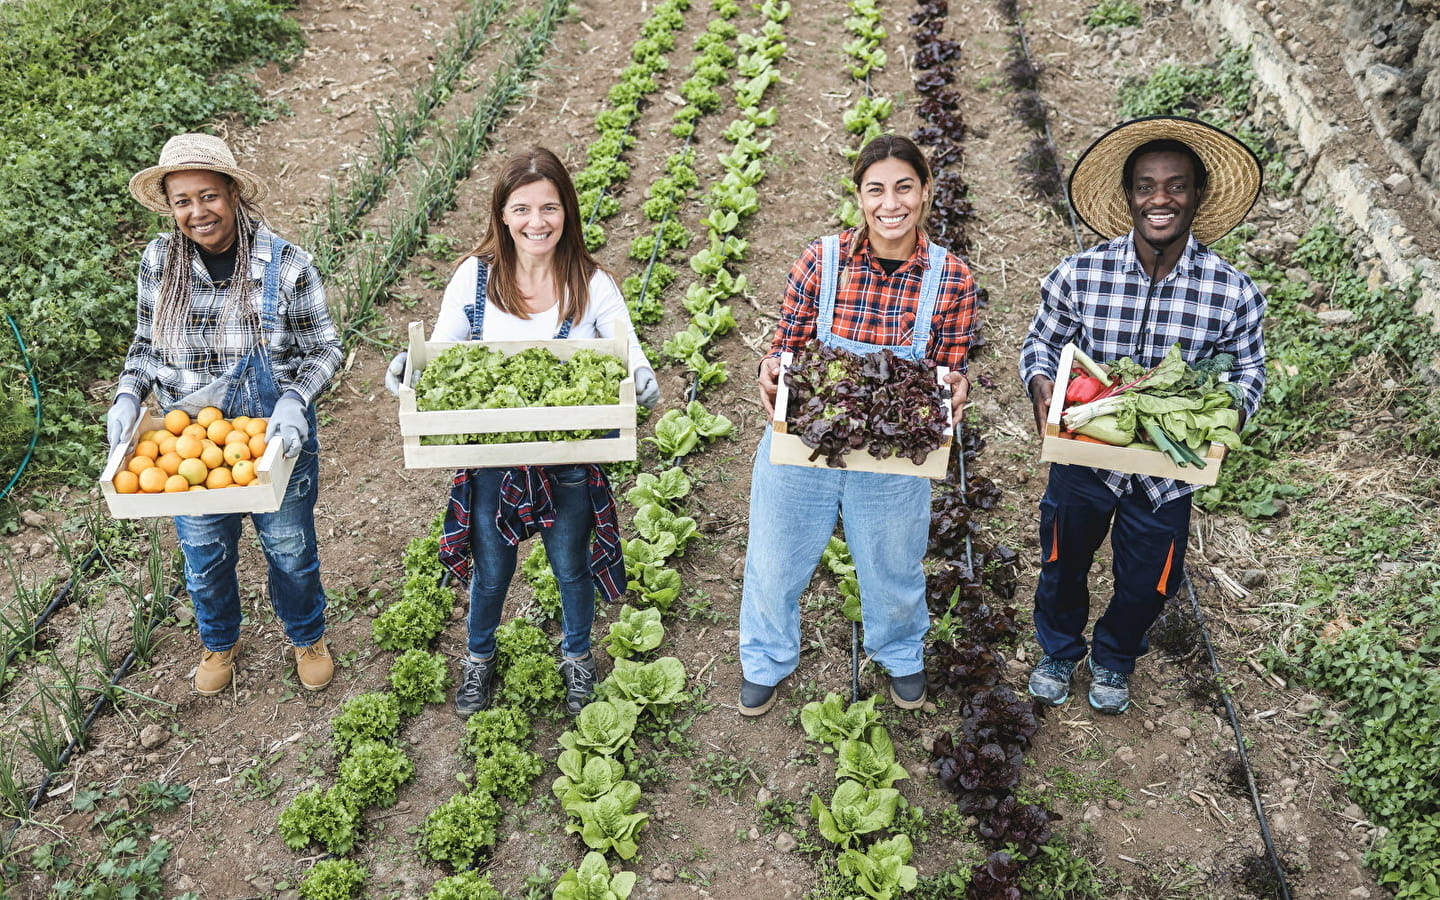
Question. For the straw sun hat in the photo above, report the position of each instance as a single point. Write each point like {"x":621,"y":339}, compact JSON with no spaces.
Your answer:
{"x":1098,"y":197}
{"x":187,"y":152}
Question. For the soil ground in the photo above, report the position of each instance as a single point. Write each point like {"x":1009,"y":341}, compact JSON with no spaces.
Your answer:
{"x":1149,"y":796}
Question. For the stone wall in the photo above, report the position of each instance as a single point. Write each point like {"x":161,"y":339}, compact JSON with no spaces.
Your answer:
{"x":1399,"y":43}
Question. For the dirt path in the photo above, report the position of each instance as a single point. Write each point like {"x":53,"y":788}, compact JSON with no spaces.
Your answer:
{"x":1149,"y":797}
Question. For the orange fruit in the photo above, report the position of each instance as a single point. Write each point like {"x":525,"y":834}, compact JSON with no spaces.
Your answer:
{"x":239,"y":422}
{"x":140,"y":463}
{"x":152,"y":480}
{"x":147,"y":448}
{"x":189,"y":447}
{"x":176,"y":420}
{"x":236,"y":452}
{"x":212,"y":456}
{"x":209,"y":414}
{"x":195,"y":431}
{"x":166,"y":443}
{"x":176,"y":483}
{"x":243,"y":471}
{"x":169,"y":462}
{"x":126,"y":482}
{"x":219,"y":478}
{"x":257,"y":446}
{"x":218,"y":429}
{"x":256,"y":426}
{"x":236,"y":435}
{"x":193,"y":470}
{"x":198,"y":487}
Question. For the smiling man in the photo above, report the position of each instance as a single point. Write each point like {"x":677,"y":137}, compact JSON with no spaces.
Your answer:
{"x":1160,"y":189}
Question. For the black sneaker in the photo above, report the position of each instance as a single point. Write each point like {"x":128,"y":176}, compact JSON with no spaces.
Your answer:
{"x":1050,"y":680}
{"x":756,"y":699}
{"x":908,"y":691}
{"x":579,"y":676}
{"x":473,"y":694}
{"x":1109,"y":690}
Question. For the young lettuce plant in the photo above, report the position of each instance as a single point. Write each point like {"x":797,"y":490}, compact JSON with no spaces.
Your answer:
{"x":635,"y":631}
{"x":656,"y":685}
{"x":417,"y":678}
{"x":329,"y":818}
{"x":830,"y":721}
{"x":585,"y":779}
{"x":364,"y":717}
{"x":654,"y":522}
{"x":592,"y":880}
{"x":373,"y":771}
{"x":853,"y":811}
{"x":603,"y":727}
{"x":666,"y":489}
{"x":881,"y":871}
{"x":464,"y":886}
{"x":334,"y":879}
{"x":610,"y":822}
{"x":871,"y":762}
{"x":460,"y":829}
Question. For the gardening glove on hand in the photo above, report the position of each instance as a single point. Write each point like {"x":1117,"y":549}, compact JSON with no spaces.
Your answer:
{"x":288,"y":423}
{"x":647,"y":390}
{"x":396,"y":372}
{"x":120,"y":420}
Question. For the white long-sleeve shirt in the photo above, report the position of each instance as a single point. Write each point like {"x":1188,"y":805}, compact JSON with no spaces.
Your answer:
{"x":605,"y":315}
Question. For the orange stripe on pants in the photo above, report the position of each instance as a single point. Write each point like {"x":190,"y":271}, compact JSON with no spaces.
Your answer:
{"x":1165,"y":572}
{"x":1055,"y":541}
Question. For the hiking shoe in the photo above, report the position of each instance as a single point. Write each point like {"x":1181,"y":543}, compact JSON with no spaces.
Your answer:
{"x":579,"y":676}
{"x":755,"y":699}
{"x":473,"y":694}
{"x":1109,"y":691}
{"x":908,"y":691}
{"x":1050,"y":680}
{"x":216,"y":669}
{"x":314,"y":666}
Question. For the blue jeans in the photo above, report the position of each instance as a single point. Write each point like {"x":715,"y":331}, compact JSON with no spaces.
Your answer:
{"x":792,"y":516}
{"x":211,"y":548}
{"x":1148,"y":548}
{"x":567,"y":544}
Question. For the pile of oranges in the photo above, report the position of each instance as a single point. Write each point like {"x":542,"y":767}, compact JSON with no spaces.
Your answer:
{"x":207,"y":453}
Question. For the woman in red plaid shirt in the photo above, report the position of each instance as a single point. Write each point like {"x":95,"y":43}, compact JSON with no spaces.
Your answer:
{"x":888,"y":287}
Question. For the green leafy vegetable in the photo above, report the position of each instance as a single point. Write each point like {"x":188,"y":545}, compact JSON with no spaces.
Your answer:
{"x":334,"y":879}
{"x":329,"y":818}
{"x":634,"y":631}
{"x":464,"y":886}
{"x":853,"y":811}
{"x":372,"y":716}
{"x":881,"y":871}
{"x":656,"y":684}
{"x":373,"y":771}
{"x":592,"y":881}
{"x":603,"y":727}
{"x":830,"y":721}
{"x":460,"y":829}
{"x":871,"y":762}
{"x":418,"y":678}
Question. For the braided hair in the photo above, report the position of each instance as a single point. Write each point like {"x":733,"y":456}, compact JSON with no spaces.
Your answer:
{"x":172,"y":313}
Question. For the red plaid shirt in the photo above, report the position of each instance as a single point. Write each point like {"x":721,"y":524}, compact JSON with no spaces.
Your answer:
{"x":876,"y":308}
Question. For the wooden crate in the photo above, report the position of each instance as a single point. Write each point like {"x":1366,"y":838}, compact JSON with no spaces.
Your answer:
{"x":1134,"y":460}
{"x":788,"y":450}
{"x":263,"y":495}
{"x":415,"y":424}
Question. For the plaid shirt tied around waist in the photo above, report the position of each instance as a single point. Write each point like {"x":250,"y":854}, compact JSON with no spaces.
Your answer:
{"x":1097,"y":300}
{"x":526,"y":506}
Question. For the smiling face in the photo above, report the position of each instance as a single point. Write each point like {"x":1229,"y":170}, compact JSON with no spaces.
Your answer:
{"x":535,"y":219}
{"x":204,"y":204}
{"x":1163,"y":197}
{"x":892,"y":199}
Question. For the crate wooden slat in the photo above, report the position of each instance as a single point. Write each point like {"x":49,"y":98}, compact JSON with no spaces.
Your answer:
{"x":415,"y":424}
{"x":788,"y":450}
{"x":1134,"y":460}
{"x":264,"y":494}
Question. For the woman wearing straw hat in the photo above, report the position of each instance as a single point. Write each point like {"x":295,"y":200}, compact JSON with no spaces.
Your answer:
{"x":1159,"y":189}
{"x":229,"y":315}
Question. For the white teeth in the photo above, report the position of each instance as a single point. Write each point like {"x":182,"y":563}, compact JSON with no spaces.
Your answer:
{"x":891,"y":220}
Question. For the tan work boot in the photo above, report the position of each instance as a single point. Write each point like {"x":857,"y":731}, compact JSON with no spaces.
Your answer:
{"x":314,"y":666}
{"x":215,"y":671}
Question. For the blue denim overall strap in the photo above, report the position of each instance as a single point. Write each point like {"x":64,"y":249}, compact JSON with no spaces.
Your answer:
{"x":253,"y":391}
{"x":476,"y":311}
{"x":924,"y":312}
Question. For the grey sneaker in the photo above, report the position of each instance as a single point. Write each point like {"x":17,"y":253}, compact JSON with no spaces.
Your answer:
{"x":1050,"y":680}
{"x":579,"y":676}
{"x":473,"y":694}
{"x":1109,"y":691}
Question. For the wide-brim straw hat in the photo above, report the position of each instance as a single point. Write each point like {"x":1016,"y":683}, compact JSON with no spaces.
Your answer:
{"x":188,"y":152}
{"x":1098,"y":197}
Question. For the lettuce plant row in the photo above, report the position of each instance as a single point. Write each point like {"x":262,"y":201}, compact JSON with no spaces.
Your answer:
{"x":866,"y":119}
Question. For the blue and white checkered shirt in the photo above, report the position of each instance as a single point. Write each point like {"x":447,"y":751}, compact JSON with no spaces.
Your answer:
{"x":1096,"y":299}
{"x":305,"y":349}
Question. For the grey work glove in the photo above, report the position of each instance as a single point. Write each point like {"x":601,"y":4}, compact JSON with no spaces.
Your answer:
{"x":396,"y":372}
{"x":120,"y":420}
{"x":288,"y":423}
{"x":647,"y":389}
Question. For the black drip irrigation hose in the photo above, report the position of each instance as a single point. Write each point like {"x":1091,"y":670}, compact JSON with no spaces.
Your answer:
{"x":1049,"y":136}
{"x":62,"y":597}
{"x":1271,"y":853}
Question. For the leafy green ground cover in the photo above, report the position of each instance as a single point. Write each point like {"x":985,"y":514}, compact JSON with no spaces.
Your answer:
{"x":89,"y":91}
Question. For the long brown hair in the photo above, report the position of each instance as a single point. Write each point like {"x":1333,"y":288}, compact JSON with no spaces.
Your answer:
{"x":884,"y":147}
{"x":573,"y":264}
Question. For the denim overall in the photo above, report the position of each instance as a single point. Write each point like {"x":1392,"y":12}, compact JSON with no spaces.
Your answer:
{"x":287,"y":536}
{"x":793,"y":510}
{"x":567,"y":542}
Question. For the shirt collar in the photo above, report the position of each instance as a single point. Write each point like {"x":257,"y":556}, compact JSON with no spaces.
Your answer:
{"x":861,"y":252}
{"x":1183,"y":265}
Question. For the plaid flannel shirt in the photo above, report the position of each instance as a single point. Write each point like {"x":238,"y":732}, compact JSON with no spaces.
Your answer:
{"x":876,"y":308}
{"x":1096,"y":299}
{"x":304,"y":350}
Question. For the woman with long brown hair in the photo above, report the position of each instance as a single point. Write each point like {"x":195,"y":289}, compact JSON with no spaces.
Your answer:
{"x":531,"y":278}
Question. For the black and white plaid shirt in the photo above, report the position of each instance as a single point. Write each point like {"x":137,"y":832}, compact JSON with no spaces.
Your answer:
{"x":1096,"y":299}
{"x":304,"y":348}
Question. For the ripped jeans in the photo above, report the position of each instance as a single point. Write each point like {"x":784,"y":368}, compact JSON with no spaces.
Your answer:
{"x":287,"y":536}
